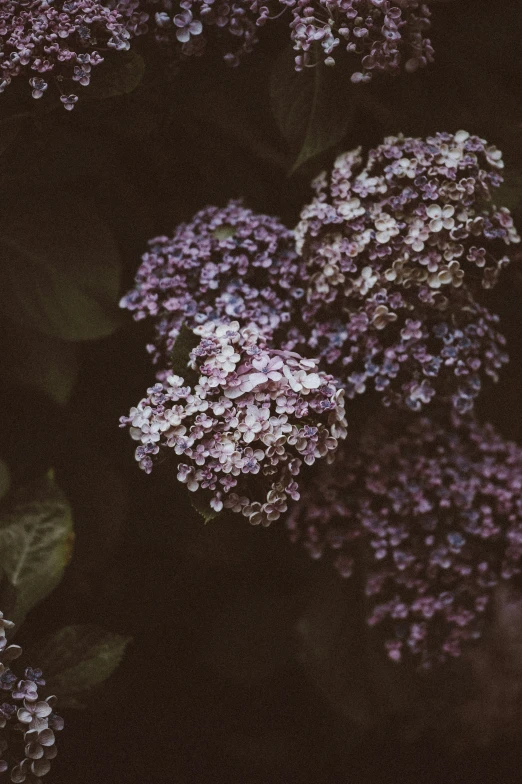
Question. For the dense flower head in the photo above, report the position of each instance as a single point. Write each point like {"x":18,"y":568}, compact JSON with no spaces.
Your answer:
{"x":244,"y":430}
{"x":408,"y":351}
{"x":418,"y":211}
{"x":59,"y":42}
{"x":184,"y":29}
{"x":228,"y":263}
{"x":384,"y":35}
{"x":395,"y":249}
{"x":431,"y":517}
{"x":27,"y":722}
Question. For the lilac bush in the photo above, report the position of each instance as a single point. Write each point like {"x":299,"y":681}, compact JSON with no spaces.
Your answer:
{"x":380,"y":283}
{"x":396,"y":249}
{"x":430,"y":516}
{"x":57,"y":44}
{"x":27,"y":722}
{"x":225,"y":264}
{"x":245,"y":429}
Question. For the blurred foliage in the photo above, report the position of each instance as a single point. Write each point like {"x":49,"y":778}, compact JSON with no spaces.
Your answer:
{"x":76,"y":659}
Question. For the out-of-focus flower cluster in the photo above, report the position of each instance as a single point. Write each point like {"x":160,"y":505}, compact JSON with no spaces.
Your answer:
{"x":395,"y":249}
{"x":61,"y":42}
{"x":431,"y":518}
{"x":184,"y":28}
{"x":384,"y":35}
{"x":225,"y":264}
{"x":27,"y":723}
{"x":245,"y":429}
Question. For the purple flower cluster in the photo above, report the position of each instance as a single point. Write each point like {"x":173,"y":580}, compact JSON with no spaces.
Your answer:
{"x":225,"y":264}
{"x":395,"y":249}
{"x":409,"y":353}
{"x":245,"y":429}
{"x":431,"y":517}
{"x":382,"y":34}
{"x":61,"y":41}
{"x":185,"y":28}
{"x":27,"y":723}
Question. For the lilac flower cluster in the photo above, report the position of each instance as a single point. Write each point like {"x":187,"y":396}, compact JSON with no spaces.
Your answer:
{"x":394,"y":251}
{"x":409,"y":355}
{"x":433,"y":518}
{"x":255,"y":414}
{"x":184,"y":29}
{"x":225,"y":264}
{"x":62,"y":41}
{"x":382,"y":34}
{"x":27,"y":723}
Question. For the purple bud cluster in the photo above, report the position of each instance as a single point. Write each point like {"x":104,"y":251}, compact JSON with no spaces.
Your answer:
{"x":395,"y":250}
{"x":384,"y":35}
{"x":226,"y":264}
{"x":27,"y":723}
{"x":243,"y":432}
{"x":60,"y":42}
{"x":431,"y":517}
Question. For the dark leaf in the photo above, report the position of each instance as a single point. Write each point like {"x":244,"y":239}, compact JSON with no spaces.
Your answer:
{"x":121,"y":74}
{"x":35,"y":542}
{"x":78,"y":658}
{"x":35,"y":360}
{"x":5,"y":478}
{"x":59,"y":269}
{"x":313,"y":108}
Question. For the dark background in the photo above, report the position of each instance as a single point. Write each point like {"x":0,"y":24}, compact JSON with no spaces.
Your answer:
{"x":249,"y":663}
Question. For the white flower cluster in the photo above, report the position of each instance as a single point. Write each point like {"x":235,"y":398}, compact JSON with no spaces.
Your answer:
{"x":244,"y":430}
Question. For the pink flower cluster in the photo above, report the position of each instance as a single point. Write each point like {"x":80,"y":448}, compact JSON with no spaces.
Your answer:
{"x":244,"y":430}
{"x":62,"y":41}
{"x":430,"y":517}
{"x":225,"y":264}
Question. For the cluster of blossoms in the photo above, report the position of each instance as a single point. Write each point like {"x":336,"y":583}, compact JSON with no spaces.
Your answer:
{"x":432,"y":519}
{"x":244,"y":430}
{"x":184,"y":28}
{"x":225,"y":264}
{"x":63,"y":40}
{"x":379,"y":284}
{"x":383,"y":34}
{"x":395,"y":249}
{"x":27,"y":723}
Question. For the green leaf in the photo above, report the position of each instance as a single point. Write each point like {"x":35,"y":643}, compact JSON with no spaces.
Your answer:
{"x":36,"y":360}
{"x":313,"y":108}
{"x":35,"y":542}
{"x":179,"y":356}
{"x":59,"y":269}
{"x":200,"y":500}
{"x":78,"y":658}
{"x":119,"y":75}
